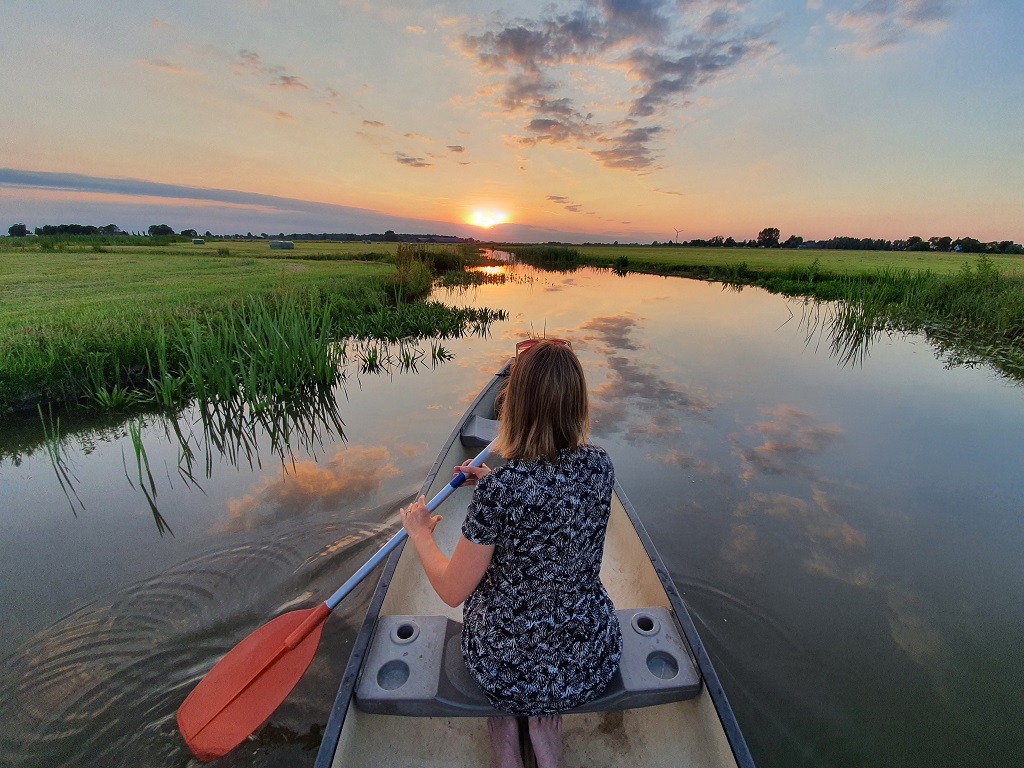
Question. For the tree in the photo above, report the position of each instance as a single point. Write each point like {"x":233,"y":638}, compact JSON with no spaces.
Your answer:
{"x":17,"y":230}
{"x":160,"y":229}
{"x":793,"y":241}
{"x":768,"y":237}
{"x":970,"y":245}
{"x":189,"y":233}
{"x":940,"y":243}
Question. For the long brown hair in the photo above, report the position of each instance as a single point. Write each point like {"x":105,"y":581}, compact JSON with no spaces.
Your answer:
{"x":546,"y":406}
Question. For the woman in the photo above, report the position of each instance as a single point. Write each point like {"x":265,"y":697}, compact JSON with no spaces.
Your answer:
{"x":539,"y":634}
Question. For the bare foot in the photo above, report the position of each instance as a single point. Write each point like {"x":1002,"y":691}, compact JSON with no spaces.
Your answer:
{"x":546,"y":737}
{"x":504,"y":733}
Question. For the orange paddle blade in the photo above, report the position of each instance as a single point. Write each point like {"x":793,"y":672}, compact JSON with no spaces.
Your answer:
{"x":238,"y":695}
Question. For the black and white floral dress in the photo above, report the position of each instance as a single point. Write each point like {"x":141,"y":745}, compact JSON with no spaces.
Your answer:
{"x":540,"y":634}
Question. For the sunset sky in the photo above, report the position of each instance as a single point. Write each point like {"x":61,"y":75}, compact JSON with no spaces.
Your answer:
{"x":575,"y":120}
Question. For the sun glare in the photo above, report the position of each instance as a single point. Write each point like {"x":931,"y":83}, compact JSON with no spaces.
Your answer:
{"x":487,"y":217}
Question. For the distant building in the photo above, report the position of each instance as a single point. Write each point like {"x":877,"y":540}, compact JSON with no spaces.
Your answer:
{"x":282,"y":245}
{"x":198,"y":241}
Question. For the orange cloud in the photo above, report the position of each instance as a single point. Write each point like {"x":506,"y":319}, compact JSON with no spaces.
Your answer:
{"x":352,"y":474}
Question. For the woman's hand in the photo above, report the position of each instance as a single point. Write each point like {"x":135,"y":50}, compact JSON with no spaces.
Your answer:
{"x":473,"y":474}
{"x":416,"y":519}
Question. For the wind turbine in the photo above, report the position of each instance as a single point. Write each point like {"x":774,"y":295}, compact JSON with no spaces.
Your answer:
{"x":677,"y":235}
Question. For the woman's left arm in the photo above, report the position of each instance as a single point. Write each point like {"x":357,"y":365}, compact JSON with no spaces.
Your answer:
{"x":454,"y":580}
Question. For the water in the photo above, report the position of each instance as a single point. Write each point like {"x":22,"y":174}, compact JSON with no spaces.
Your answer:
{"x":846,"y":537}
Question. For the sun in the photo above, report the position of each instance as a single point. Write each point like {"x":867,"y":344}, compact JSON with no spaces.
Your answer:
{"x":487,"y":217}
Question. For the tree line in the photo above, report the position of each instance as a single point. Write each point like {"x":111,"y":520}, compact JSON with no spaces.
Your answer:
{"x":769,"y":237}
{"x":164,"y":230}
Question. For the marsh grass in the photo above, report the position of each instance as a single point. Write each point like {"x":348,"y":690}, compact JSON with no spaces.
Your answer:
{"x":552,"y":257}
{"x":973,"y":317}
{"x":125,"y":330}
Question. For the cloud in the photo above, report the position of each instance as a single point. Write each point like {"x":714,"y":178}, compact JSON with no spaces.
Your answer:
{"x":162,"y":65}
{"x":881,"y":25}
{"x":269,"y":213}
{"x":276,"y":76}
{"x":352,"y":475}
{"x":676,"y":458}
{"x":373,"y":123}
{"x":662,"y":51}
{"x":789,"y":440}
{"x":412,"y":162}
{"x":635,"y":398}
{"x":828,"y":544}
{"x":566,"y":203}
{"x":456,"y":148}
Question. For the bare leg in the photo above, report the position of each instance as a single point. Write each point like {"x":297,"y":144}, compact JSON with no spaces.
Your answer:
{"x":504,"y":733}
{"x":546,"y":737}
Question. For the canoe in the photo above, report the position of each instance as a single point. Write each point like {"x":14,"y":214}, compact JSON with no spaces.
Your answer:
{"x":406,"y":698}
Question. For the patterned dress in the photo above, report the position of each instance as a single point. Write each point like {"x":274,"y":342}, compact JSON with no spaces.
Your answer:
{"x":540,"y":634}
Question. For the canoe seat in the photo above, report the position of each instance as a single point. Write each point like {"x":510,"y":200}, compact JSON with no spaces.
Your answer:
{"x":414,"y":668}
{"x":478,"y":431}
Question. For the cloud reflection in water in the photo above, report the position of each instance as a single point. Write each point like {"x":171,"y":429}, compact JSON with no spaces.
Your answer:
{"x":352,"y":474}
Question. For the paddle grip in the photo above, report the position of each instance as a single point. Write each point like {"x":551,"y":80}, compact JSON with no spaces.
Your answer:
{"x":356,"y":578}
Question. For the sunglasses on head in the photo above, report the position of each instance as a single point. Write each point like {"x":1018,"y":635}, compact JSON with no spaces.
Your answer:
{"x":523,"y":346}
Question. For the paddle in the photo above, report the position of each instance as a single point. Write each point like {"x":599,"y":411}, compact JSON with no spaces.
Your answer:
{"x":245,"y":687}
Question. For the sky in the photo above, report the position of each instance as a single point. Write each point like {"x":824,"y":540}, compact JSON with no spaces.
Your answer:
{"x":575,"y":120}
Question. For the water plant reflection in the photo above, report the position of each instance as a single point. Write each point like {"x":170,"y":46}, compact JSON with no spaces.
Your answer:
{"x":243,"y":430}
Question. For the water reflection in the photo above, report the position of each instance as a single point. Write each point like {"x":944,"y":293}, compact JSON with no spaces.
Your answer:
{"x":351,"y":474}
{"x":101,"y":687}
{"x":245,"y":435}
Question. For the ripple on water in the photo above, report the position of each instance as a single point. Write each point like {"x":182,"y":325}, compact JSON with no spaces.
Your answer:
{"x":102,"y":686}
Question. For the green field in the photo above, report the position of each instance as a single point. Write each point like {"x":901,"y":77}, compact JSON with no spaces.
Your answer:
{"x":112,"y":323}
{"x":83,"y":286}
{"x":683,"y":259}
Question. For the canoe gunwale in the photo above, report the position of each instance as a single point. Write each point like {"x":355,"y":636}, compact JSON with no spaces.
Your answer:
{"x":342,"y":702}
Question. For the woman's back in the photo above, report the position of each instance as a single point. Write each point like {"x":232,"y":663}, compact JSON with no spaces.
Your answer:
{"x":540,"y":633}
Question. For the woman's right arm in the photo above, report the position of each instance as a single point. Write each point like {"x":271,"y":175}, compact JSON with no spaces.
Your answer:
{"x":454,"y":580}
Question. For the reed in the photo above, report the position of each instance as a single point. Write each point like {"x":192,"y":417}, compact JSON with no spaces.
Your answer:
{"x":553,"y":257}
{"x":974,"y":316}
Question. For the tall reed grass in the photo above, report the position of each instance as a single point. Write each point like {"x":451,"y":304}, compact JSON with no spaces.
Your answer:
{"x":263,"y":348}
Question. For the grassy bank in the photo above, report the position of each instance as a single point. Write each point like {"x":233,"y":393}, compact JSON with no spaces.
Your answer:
{"x":124,"y":323}
{"x":971,"y":307}
{"x":707,"y":262}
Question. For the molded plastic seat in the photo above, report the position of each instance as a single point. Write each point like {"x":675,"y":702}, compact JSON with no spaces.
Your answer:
{"x":478,"y":432}
{"x":414,"y":668}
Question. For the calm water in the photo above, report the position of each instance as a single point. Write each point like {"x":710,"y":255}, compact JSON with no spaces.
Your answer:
{"x":848,"y":539}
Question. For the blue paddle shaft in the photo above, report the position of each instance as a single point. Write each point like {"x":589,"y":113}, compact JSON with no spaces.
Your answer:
{"x":356,"y":578}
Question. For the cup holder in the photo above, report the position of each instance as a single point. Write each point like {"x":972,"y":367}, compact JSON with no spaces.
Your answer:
{"x":393,"y":675}
{"x":405,"y":632}
{"x":662,"y":665}
{"x":644,"y":624}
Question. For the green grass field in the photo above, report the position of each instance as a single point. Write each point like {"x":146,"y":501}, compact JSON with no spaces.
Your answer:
{"x":87,"y":320}
{"x":40,"y":288}
{"x":682,"y":259}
